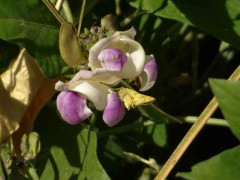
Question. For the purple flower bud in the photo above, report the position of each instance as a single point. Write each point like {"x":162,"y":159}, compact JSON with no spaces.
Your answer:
{"x":112,"y":59}
{"x":114,"y":111}
{"x":149,"y":74}
{"x":72,"y":107}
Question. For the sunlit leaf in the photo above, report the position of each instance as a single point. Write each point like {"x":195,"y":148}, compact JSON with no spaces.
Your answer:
{"x":223,"y":23}
{"x":221,"y":167}
{"x":18,"y":86}
{"x":228,"y":96}
{"x":24,"y":90}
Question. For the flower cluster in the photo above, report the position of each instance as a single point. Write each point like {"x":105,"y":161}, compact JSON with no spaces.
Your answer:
{"x":111,"y":59}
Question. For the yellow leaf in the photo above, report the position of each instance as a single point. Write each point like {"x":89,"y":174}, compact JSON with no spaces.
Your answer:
{"x":132,"y":98}
{"x":23,"y":92}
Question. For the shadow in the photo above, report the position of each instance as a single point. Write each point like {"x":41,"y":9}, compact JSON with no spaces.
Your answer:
{"x":8,"y":51}
{"x":212,"y":17}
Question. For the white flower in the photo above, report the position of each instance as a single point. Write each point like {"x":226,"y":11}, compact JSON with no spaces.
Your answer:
{"x":121,"y":57}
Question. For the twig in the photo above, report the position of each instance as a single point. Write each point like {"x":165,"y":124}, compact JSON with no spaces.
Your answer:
{"x":192,"y":133}
{"x":54,"y":11}
{"x":151,"y":162}
{"x":81,"y":17}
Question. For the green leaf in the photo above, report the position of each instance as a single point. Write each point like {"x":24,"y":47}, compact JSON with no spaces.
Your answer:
{"x":75,"y":159}
{"x":72,"y":149}
{"x":28,"y":10}
{"x":228,"y":96}
{"x":41,"y":41}
{"x":153,"y":5}
{"x":31,"y":25}
{"x":158,"y":133}
{"x":221,"y":167}
{"x":223,"y":23}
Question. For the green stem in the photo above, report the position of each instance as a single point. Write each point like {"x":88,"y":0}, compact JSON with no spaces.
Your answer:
{"x":211,"y":121}
{"x":67,"y":11}
{"x":118,"y":8}
{"x":192,"y":133}
{"x":81,"y":17}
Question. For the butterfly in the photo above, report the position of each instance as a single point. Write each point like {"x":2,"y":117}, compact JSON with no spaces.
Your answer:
{"x":132,"y":98}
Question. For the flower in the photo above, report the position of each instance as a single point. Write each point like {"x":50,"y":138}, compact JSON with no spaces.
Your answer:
{"x":124,"y":58}
{"x":71,"y":102}
{"x":111,"y":59}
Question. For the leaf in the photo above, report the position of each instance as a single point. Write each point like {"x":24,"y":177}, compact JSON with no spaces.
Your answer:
{"x":74,"y":155}
{"x":158,"y":134}
{"x":228,"y":96}
{"x":35,"y":30}
{"x":28,"y":10}
{"x":23,"y":91}
{"x":18,"y":86}
{"x":151,"y":5}
{"x":132,"y":98}
{"x":221,"y":167}
{"x":40,"y":40}
{"x":223,"y":23}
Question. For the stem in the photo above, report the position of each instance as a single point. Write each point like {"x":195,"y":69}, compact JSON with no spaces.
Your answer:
{"x":118,"y":8}
{"x":151,"y":162}
{"x":67,"y":11}
{"x":168,"y":116}
{"x":54,"y":11}
{"x":81,"y":17}
{"x":58,"y":5}
{"x":211,"y":121}
{"x":192,"y":133}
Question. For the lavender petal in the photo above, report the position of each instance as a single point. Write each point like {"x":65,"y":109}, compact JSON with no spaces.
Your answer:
{"x":112,"y":59}
{"x":72,"y":107}
{"x":149,"y":74}
{"x":114,"y":111}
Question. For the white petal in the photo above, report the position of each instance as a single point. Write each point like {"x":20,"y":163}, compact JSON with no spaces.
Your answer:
{"x":95,"y":92}
{"x":99,"y":75}
{"x":110,"y":42}
{"x":136,"y":59}
{"x":131,"y":33}
{"x":95,"y":50}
